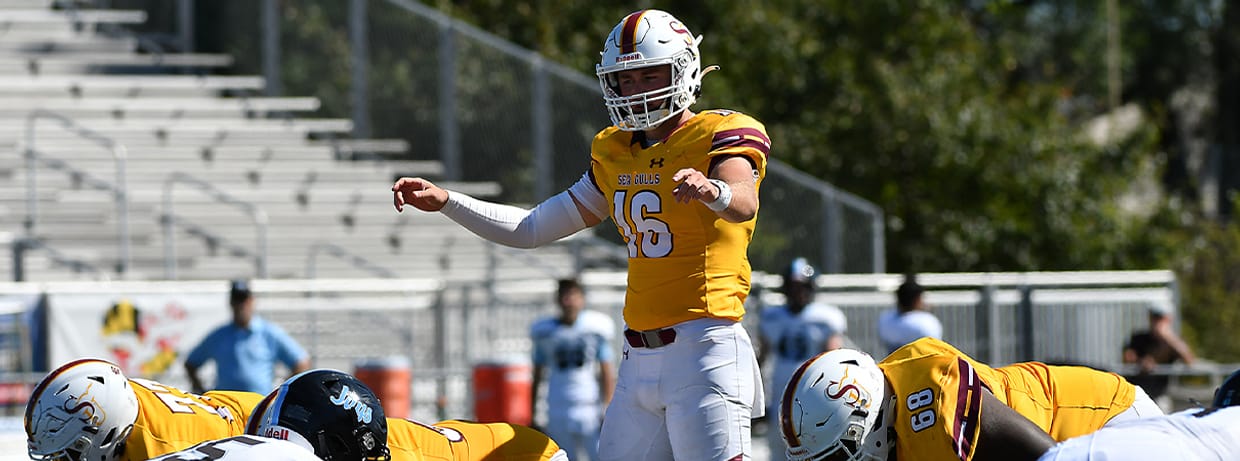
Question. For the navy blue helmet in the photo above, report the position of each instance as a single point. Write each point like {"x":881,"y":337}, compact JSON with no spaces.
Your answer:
{"x":1228,"y":393}
{"x":327,"y":411}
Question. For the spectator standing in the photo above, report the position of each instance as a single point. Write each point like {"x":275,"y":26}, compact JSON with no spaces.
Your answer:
{"x":909,"y":320}
{"x":245,"y":351}
{"x":573,"y":349}
{"x":1159,"y":345}
{"x":793,"y":333}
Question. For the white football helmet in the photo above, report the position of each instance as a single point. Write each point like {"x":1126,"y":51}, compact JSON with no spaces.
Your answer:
{"x":837,"y":407}
{"x":82,"y":411}
{"x":649,"y":38}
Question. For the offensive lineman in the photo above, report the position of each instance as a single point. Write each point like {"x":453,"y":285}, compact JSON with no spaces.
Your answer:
{"x":1199,"y":434}
{"x":929,"y":401}
{"x":682,"y":189}
{"x":335,"y":416}
{"x":88,"y":410}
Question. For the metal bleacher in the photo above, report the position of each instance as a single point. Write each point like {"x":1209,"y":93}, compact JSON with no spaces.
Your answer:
{"x":73,"y":83}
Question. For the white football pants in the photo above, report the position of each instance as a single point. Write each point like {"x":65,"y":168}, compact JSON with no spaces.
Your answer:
{"x":690,"y":400}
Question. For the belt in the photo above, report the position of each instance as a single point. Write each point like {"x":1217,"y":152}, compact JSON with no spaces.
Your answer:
{"x":650,"y":338}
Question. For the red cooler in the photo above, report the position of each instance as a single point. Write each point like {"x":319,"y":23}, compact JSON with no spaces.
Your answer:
{"x":502,"y":392}
{"x":391,"y":380}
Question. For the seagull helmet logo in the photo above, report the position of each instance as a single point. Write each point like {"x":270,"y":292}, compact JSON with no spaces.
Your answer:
{"x":85,"y":407}
{"x":679,"y":28}
{"x":849,"y":391}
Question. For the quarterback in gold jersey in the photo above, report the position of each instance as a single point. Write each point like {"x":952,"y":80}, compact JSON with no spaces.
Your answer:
{"x":88,"y":410}
{"x":682,"y":190}
{"x":929,"y":401}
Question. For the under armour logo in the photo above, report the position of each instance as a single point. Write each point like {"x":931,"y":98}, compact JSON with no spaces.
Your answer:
{"x":658,"y":161}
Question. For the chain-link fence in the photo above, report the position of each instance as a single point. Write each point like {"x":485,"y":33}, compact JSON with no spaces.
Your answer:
{"x":488,"y":110}
{"x":444,"y":329}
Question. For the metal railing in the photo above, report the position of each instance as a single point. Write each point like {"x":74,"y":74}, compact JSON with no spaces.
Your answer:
{"x":341,"y":253}
{"x":444,"y":328}
{"x":21,"y":246}
{"x":118,"y":188}
{"x":1002,"y":318}
{"x":169,"y":220}
{"x":833,"y":249}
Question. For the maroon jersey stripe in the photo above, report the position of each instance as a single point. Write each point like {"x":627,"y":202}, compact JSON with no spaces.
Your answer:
{"x":968,"y":409}
{"x":764,"y":148}
{"x":735,"y":132}
{"x":743,"y":137}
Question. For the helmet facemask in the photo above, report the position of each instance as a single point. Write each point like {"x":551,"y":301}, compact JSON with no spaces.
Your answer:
{"x":649,"y":109}
{"x":854,"y":444}
{"x":112,"y":447}
{"x":646,"y":39}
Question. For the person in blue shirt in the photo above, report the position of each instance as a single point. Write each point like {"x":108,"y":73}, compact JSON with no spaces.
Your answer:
{"x":246,"y":350}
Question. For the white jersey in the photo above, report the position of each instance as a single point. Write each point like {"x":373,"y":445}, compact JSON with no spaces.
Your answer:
{"x":1191,"y":435}
{"x":242,"y":448}
{"x":795,"y":338}
{"x":572,"y":353}
{"x":896,"y":330}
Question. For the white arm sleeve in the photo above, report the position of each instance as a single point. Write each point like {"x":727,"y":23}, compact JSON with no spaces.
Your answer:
{"x":587,"y":193}
{"x":553,"y":219}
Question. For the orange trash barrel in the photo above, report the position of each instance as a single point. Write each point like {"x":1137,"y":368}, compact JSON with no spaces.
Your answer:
{"x":391,"y":380}
{"x":502,"y":392}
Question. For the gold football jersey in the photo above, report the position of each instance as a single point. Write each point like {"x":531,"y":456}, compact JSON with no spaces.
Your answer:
{"x":684,"y":261}
{"x":466,"y":441}
{"x":170,"y":419}
{"x":938,"y":398}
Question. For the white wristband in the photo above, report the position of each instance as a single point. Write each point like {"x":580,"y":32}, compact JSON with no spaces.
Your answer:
{"x":725,"y":196}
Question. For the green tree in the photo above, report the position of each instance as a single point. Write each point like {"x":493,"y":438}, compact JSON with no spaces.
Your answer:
{"x":964,"y":121}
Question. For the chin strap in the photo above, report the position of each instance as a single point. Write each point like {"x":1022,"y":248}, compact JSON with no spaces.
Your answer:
{"x":877,"y":444}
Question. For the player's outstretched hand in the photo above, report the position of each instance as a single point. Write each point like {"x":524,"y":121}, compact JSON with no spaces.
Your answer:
{"x":422,"y":194}
{"x":693,"y":186}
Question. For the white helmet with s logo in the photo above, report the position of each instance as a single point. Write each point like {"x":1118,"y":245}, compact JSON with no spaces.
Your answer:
{"x":837,"y":408}
{"x":83,"y":410}
{"x":650,"y":38}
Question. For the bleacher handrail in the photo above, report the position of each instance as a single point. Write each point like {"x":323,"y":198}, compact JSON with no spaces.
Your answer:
{"x":21,"y":245}
{"x":168,"y":222}
{"x":119,"y":189}
{"x":345,"y":255}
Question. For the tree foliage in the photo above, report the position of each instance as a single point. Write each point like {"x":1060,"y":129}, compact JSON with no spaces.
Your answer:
{"x":967,"y":122}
